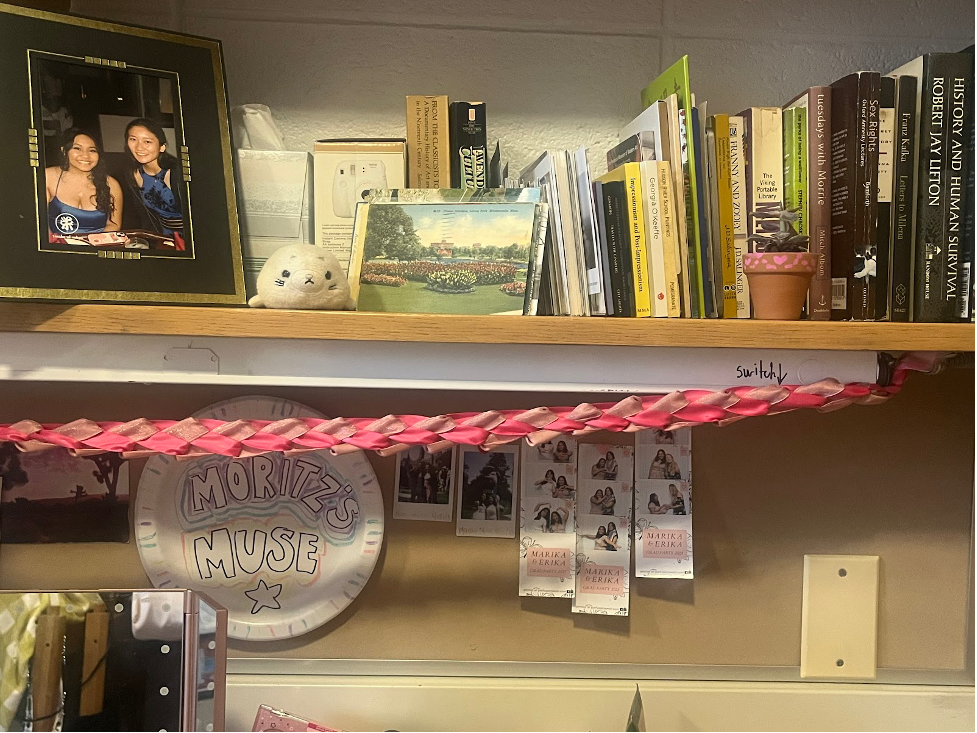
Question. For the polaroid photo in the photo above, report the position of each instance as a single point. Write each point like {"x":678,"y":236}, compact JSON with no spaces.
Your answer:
{"x":547,"y":564}
{"x":424,"y":485}
{"x":487,"y":499}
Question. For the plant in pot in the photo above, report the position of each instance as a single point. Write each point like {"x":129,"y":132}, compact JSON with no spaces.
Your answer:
{"x":779,"y":270}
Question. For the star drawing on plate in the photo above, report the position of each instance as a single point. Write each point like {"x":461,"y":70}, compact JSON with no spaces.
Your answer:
{"x":264,"y":596}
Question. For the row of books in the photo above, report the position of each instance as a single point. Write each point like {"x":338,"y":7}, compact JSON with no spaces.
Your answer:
{"x":873,"y":173}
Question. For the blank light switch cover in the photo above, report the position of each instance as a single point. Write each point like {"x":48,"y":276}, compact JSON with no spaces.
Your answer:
{"x":839,"y":621}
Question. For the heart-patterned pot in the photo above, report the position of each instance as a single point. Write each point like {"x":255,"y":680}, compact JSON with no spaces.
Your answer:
{"x":778,"y":283}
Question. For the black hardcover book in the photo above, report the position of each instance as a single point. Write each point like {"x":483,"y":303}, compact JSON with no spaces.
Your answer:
{"x":903,"y":201}
{"x":854,"y":188}
{"x":936,"y":267}
{"x":615,"y":205}
{"x":883,"y":219}
{"x":469,"y":145}
{"x":605,"y":255}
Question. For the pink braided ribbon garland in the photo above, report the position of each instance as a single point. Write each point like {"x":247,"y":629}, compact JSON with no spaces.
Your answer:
{"x":394,"y":433}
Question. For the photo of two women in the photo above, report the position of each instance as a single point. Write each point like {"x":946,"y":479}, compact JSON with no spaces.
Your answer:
{"x":112,"y":175}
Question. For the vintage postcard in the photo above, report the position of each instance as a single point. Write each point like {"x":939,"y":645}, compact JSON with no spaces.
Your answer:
{"x":463,"y":258}
{"x":424,"y":485}
{"x":663,"y":505}
{"x":546,"y":564}
{"x":487,"y":491}
{"x":52,"y":496}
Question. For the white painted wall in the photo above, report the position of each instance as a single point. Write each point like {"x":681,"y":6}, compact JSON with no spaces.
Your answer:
{"x":458,"y":704}
{"x":553,"y":72}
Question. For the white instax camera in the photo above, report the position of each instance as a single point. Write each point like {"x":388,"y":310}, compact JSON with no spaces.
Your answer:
{"x":352,"y":182}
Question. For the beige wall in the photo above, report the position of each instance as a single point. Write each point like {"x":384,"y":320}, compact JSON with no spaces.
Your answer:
{"x":894,"y":480}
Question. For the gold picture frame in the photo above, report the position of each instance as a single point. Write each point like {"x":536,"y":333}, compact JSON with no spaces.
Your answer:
{"x":74,"y":83}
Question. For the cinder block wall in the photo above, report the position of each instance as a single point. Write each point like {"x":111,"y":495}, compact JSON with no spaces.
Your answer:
{"x":554,"y":73}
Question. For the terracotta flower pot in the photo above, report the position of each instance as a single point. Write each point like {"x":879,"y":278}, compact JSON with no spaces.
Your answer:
{"x":778,"y":283}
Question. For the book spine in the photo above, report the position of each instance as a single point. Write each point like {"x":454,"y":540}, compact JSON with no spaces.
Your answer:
{"x":819,"y":199}
{"x":691,"y":241}
{"x":654,"y":243}
{"x":886,"y":171}
{"x":765,"y":171}
{"x":628,"y":151}
{"x":638,"y":234}
{"x":904,"y":190}
{"x":959,"y":163}
{"x":670,"y":248}
{"x":724,"y":191}
{"x":737,"y":179}
{"x":605,"y":256}
{"x":534,"y":273}
{"x":930,"y":252}
{"x":968,"y":224}
{"x":701,"y":229}
{"x":854,"y":164}
{"x":614,"y":204}
{"x":427,"y":142}
{"x":469,"y":145}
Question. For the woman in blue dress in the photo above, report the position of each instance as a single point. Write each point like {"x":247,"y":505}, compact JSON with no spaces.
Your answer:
{"x":154,"y":180}
{"x":81,"y":197}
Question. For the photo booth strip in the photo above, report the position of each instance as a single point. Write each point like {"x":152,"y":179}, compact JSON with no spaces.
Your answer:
{"x":547,"y":518}
{"x":604,"y":500}
{"x":663,"y":504}
{"x":424,"y":485}
{"x":487,"y":492}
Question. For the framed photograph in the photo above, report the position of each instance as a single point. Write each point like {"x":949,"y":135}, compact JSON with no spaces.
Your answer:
{"x":423,"y":487}
{"x":119,"y":183}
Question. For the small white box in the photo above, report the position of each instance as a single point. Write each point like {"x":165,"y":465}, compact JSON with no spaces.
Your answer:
{"x":344,"y":171}
{"x":275,"y":189}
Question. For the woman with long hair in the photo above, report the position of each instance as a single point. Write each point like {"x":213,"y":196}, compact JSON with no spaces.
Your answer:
{"x":610,"y":466}
{"x":562,"y":454}
{"x":154,"y":179}
{"x":672,"y":470}
{"x":548,"y":482}
{"x":558,"y":520}
{"x":541,"y":521}
{"x":562,"y":490}
{"x":81,"y":197}
{"x":491,"y":507}
{"x":657,"y":469}
{"x":612,"y":535}
{"x":655,"y":506}
{"x":596,"y":500}
{"x":677,"y":500}
{"x":607,"y":505}
{"x":599,"y":470}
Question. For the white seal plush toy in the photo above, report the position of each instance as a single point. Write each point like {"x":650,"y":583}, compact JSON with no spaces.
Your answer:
{"x":302,"y":276}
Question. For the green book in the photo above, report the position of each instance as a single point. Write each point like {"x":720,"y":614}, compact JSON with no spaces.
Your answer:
{"x":675,"y":80}
{"x":795,"y":165}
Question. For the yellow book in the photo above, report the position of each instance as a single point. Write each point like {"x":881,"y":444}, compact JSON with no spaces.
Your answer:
{"x":725,"y":247}
{"x":630,"y":174}
{"x":670,"y":245}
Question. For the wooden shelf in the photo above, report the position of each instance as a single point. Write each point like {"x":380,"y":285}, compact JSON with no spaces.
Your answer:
{"x":255,"y":323}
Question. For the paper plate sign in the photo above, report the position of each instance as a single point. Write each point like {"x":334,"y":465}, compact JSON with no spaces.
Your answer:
{"x":284,"y":543}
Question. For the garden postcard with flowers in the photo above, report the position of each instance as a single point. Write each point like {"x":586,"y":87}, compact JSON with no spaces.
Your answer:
{"x":439,"y":257}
